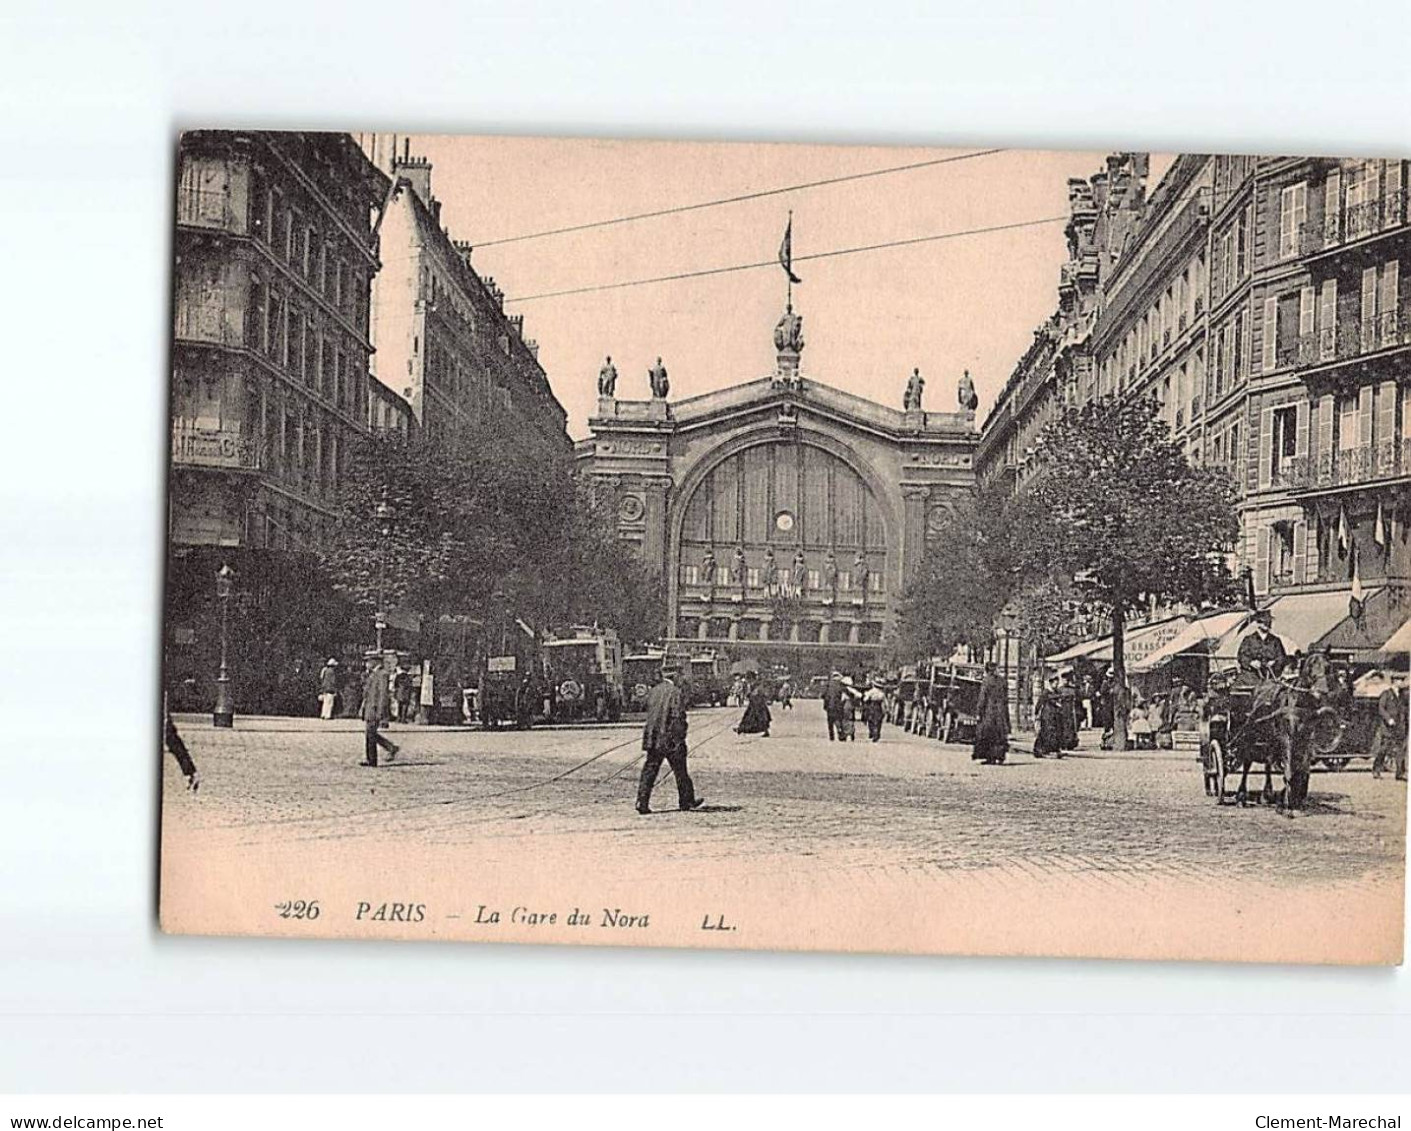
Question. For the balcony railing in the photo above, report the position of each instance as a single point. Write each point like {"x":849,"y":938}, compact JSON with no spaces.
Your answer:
{"x":207,"y":322}
{"x":1352,"y":338}
{"x":1347,"y":467}
{"x":1355,"y":222}
{"x":205,"y":208}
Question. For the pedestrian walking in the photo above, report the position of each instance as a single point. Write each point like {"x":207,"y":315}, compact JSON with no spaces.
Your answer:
{"x":847,"y":711}
{"x":328,"y":688}
{"x":756,"y":718}
{"x":992,"y":728}
{"x":832,"y":703}
{"x":786,"y":696}
{"x":172,"y":741}
{"x":1049,"y":711}
{"x":874,"y":705}
{"x":376,"y":706}
{"x":1389,"y":741}
{"x":403,"y":689}
{"x":664,"y":739}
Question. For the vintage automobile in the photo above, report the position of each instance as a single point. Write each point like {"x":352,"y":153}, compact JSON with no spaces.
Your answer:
{"x":641,"y":671}
{"x":947,"y":697}
{"x":583,"y":674}
{"x":707,"y":679}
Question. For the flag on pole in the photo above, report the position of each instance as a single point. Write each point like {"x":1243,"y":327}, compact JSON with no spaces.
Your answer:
{"x":1355,"y":602}
{"x":1379,"y":534}
{"x":1343,"y":540}
{"x":786,"y":251}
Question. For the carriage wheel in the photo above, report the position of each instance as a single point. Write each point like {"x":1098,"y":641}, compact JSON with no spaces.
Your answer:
{"x":1336,"y":764}
{"x":1215,"y":768}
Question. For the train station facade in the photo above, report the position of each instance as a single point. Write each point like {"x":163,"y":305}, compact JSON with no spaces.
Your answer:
{"x":784,"y":514}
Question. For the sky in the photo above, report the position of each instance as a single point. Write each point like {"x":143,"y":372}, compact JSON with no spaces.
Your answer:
{"x":869,"y":319}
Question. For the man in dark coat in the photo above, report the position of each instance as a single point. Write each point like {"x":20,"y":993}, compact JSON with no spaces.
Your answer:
{"x":833,"y":704}
{"x":664,"y":739}
{"x":1261,"y":653}
{"x":1389,"y":741}
{"x":992,"y":728}
{"x":1048,"y":739}
{"x":376,"y":707}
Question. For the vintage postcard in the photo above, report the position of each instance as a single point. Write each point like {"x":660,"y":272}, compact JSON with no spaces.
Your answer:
{"x":972,"y":551}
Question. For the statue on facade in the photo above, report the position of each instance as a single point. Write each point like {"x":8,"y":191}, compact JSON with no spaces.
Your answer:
{"x":800,"y":572}
{"x":788,"y":333}
{"x":966,"y":393}
{"x":708,"y":567}
{"x":771,"y":570}
{"x":830,"y":571}
{"x":607,"y":380}
{"x":861,"y":574}
{"x":915,"y":385}
{"x":737,"y":567}
{"x":656,"y":375}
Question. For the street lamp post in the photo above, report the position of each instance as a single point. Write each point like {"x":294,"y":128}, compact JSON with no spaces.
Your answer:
{"x":224,"y":713}
{"x":384,"y":519}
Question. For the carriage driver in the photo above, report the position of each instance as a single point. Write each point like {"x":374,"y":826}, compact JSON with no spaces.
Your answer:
{"x":1261,"y":654}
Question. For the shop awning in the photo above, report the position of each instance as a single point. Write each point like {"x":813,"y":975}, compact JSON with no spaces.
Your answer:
{"x":1200,"y":635}
{"x":1135,"y":643}
{"x":1400,"y":640}
{"x":1300,"y":620}
{"x":1382,"y":614}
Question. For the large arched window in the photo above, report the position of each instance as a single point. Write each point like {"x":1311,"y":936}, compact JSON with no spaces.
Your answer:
{"x":785,"y":497}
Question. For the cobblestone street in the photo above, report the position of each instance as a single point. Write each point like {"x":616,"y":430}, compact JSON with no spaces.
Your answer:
{"x":792,"y":809}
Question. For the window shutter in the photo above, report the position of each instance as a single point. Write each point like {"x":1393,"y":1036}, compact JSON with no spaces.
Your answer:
{"x":1301,"y":436}
{"x":1270,"y":333}
{"x":1263,"y":537}
{"x":1364,"y":415}
{"x":1394,"y":203}
{"x":1328,"y":320}
{"x":1326,"y":408}
{"x":1305,"y":311}
{"x":1300,"y":551}
{"x":1266,"y":445}
{"x":1387,"y":304}
{"x":1332,"y":206}
{"x":1369,"y":308}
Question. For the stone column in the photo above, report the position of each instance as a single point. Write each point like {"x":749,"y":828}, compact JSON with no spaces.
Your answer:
{"x":703,"y":627}
{"x":823,"y":632}
{"x":654,"y":536}
{"x":734,"y":633}
{"x":606,"y":490}
{"x":764,"y":623}
{"x":914,"y":528}
{"x":854,"y":630}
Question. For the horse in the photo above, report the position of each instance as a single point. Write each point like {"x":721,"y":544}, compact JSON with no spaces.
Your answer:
{"x":1287,"y":720}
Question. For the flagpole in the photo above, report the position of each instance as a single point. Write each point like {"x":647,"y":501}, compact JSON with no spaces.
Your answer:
{"x":789,"y":294}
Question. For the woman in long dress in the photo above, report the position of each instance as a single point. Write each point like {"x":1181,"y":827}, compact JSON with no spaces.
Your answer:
{"x":756,"y":716}
{"x":992,"y":727}
{"x":1049,"y":709}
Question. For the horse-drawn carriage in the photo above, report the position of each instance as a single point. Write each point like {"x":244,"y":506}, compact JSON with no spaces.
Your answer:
{"x":1284,"y":723}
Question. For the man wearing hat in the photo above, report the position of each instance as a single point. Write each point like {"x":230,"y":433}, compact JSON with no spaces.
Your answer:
{"x":664,"y":739}
{"x":833,"y":704}
{"x":1261,"y":653}
{"x":376,"y":708}
{"x":327,"y":688}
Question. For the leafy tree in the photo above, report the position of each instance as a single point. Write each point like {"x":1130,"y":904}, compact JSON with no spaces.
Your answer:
{"x":1117,"y":511}
{"x":964,"y":582}
{"x":493,"y":522}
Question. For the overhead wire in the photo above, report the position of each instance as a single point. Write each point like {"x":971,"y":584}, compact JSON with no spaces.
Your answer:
{"x":708,"y":271}
{"x":738,"y":199}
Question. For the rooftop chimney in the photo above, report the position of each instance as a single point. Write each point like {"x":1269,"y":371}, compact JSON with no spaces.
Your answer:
{"x":416,"y":171}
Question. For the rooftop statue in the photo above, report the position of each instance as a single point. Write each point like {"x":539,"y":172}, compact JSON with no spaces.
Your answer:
{"x":661,"y":386}
{"x":915,"y":385}
{"x":607,"y":379}
{"x":966,"y":393}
